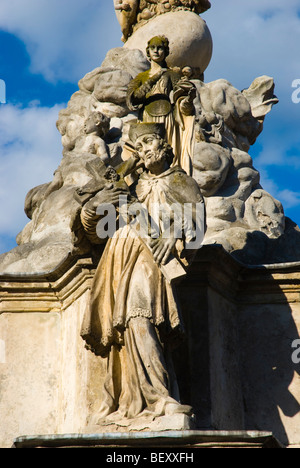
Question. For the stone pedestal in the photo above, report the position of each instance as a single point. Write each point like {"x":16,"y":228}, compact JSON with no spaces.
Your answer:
{"x":235,"y":367}
{"x":177,"y":441}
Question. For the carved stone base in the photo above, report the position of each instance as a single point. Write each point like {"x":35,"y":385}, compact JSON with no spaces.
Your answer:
{"x":234,"y":315}
{"x":176,"y":422}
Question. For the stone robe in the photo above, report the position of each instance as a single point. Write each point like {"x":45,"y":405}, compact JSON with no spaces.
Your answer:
{"x":157,"y":106}
{"x":134,"y":316}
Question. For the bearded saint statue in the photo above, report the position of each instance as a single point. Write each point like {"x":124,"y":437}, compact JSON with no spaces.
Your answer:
{"x":134,"y":317}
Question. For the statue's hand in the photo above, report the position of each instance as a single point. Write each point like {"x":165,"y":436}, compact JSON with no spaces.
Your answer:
{"x":187,"y":104}
{"x":162,"y":248}
{"x":110,"y":194}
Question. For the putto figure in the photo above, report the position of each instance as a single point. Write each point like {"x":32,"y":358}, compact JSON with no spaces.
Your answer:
{"x":134,"y":317}
{"x":165,"y":95}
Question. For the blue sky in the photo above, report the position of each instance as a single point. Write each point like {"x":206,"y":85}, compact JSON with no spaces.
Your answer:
{"x":48,"y":46}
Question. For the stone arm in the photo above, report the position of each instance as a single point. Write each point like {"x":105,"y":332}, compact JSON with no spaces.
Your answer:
{"x":109,"y":197}
{"x":187,"y":225}
{"x":163,"y":247}
{"x":139,"y":87}
{"x":184,"y":94}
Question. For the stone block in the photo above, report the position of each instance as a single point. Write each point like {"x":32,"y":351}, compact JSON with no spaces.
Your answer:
{"x":235,"y":367}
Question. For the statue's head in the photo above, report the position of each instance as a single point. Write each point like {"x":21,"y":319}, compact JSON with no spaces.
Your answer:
{"x":149,"y":140}
{"x":97,"y":122}
{"x":158,"y":48}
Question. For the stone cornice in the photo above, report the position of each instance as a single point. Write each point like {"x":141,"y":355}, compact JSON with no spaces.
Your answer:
{"x":261,"y":284}
{"x":213,"y":267}
{"x":48,"y":292}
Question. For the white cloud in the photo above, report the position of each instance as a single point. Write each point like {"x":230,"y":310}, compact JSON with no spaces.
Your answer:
{"x":280,"y":146}
{"x":68,"y":38}
{"x":262,"y":38}
{"x":30,"y":151}
{"x":253,"y":38}
{"x":65,"y":38}
{"x":289,"y":198}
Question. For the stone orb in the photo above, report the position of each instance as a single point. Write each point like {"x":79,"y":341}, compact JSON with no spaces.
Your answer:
{"x":190,"y":39}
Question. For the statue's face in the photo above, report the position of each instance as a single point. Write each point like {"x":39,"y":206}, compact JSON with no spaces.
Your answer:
{"x":157,"y":52}
{"x":151,"y":150}
{"x":97,"y":123}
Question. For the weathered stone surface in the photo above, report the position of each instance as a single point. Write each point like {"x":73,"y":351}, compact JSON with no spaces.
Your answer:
{"x":261,"y":96}
{"x":194,"y":48}
{"x":111,"y":86}
{"x":225,"y":128}
{"x":211,"y":128}
{"x":175,"y":440}
{"x":210,"y":167}
{"x":51,"y":235}
{"x":128,"y":60}
{"x":177,"y":422}
{"x":134,"y":14}
{"x":222,"y":98}
{"x":44,"y":363}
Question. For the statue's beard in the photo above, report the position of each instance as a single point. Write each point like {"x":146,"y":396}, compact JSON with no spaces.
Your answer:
{"x":155,"y":158}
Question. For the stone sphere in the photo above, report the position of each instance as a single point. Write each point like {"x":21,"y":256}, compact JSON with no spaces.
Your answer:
{"x":190,"y":39}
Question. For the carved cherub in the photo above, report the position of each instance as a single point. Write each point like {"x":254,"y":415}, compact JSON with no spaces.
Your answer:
{"x":96,"y":127}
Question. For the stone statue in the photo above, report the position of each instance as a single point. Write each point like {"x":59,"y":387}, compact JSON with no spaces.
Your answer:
{"x":165,"y":95}
{"x":134,"y":316}
{"x":96,"y":126}
{"x":155,"y":163}
{"x":132,"y":14}
{"x":218,"y":135}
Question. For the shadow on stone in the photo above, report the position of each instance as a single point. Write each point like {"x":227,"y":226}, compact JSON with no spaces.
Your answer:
{"x":236,"y":367}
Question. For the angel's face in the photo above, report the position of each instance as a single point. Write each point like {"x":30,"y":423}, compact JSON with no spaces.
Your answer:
{"x":157,"y":52}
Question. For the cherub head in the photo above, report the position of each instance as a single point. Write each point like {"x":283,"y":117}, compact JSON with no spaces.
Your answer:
{"x":97,"y":123}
